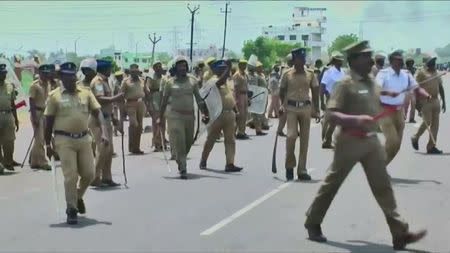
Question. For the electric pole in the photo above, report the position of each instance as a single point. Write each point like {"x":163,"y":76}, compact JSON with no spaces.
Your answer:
{"x":154,"y":41}
{"x":193,"y":11}
{"x":225,"y":28}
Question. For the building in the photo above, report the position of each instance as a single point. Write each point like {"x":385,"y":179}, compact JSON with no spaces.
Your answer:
{"x":306,"y":27}
{"x":127,"y":58}
{"x":201,"y":53}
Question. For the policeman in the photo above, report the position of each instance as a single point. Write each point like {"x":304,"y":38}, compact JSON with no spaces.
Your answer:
{"x":88,"y":67}
{"x":412,"y":112}
{"x":294,"y":93}
{"x":38,"y":93}
{"x":226,"y":122}
{"x":208,"y":73}
{"x":240,"y":93}
{"x":181,"y":89}
{"x":353,"y":103}
{"x":155,"y":86}
{"x":282,"y":119}
{"x":8,"y":120}
{"x":379,"y":64}
{"x":329,"y":78}
{"x":394,"y":82}
{"x":66,"y":116}
{"x":259,"y":70}
{"x":134,"y":90}
{"x":103,"y":93}
{"x":428,"y":78}
{"x":255,"y":79}
{"x":274,"y":88}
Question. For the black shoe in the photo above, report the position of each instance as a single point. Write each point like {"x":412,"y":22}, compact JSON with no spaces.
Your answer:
{"x":315,"y":233}
{"x":202,"y":165}
{"x":415,"y":144}
{"x":9,"y":167}
{"x":304,"y":177}
{"x":232,"y":168}
{"x":434,"y":151}
{"x":281,"y":134}
{"x":110,"y":183}
{"x":289,"y":174}
{"x":81,"y":207}
{"x":242,"y":137}
{"x":260,"y":133}
{"x":72,"y":218}
{"x":411,"y":237}
{"x":2,"y":169}
{"x":98,"y":183}
{"x":412,"y":121}
{"x":138,"y":152}
{"x":265,"y":127}
{"x":183,"y":174}
{"x":158,"y":149}
{"x":327,"y":146}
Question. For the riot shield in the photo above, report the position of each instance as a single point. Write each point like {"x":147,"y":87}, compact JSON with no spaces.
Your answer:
{"x":11,"y":77}
{"x":258,"y":99}
{"x":210,"y":94}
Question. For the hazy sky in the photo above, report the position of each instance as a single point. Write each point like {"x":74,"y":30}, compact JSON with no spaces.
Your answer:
{"x":48,"y":25}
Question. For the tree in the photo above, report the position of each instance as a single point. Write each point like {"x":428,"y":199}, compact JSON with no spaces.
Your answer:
{"x":341,"y":42}
{"x":268,"y":50}
{"x":164,"y":57}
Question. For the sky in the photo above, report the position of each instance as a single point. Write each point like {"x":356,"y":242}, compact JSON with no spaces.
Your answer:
{"x":51,"y":25}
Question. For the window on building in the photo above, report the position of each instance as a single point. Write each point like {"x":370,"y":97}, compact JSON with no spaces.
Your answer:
{"x":305,"y":37}
{"x":144,"y":60}
{"x":293,"y":37}
{"x":136,"y":60}
{"x":280,"y":37}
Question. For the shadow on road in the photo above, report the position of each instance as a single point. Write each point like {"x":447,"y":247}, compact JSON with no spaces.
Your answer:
{"x":82,"y":222}
{"x":8,"y":173}
{"x":222,"y":172}
{"x":425,"y":153}
{"x":312,"y":181}
{"x":412,"y":181}
{"x":191,"y":176}
{"x":364,"y":246}
{"x":105,"y":189}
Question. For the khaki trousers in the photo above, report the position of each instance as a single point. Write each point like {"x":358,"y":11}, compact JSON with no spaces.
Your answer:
{"x":350,"y":150}
{"x":242,"y":104}
{"x":226,"y":122}
{"x":7,"y":137}
{"x":181,"y":131}
{"x":258,"y":120}
{"x":103,"y":158}
{"x":282,"y":122}
{"x":411,"y":105}
{"x":136,"y":112}
{"x":327,"y":128}
{"x":392,"y":126}
{"x":430,"y":115}
{"x":37,"y":153}
{"x":274,"y":105}
{"x":301,"y":117}
{"x":77,"y":159}
{"x":157,"y":130}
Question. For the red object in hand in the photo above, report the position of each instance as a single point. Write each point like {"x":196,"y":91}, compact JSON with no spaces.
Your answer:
{"x":20,"y":104}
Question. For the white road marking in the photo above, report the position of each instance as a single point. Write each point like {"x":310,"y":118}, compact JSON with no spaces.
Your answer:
{"x":244,"y":210}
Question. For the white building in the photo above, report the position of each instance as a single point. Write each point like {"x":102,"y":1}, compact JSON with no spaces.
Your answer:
{"x":306,"y":28}
{"x":201,"y":53}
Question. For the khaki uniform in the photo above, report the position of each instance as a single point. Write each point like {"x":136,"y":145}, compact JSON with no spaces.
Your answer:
{"x":274,"y":87}
{"x":38,"y":92}
{"x":240,"y":93}
{"x":7,"y":123}
{"x":103,"y":159}
{"x":71,"y":112}
{"x":283,"y":118}
{"x":156,"y":87}
{"x":87,"y":85}
{"x":207,"y":75}
{"x":297,"y":86}
{"x":430,"y":109}
{"x":134,"y":93}
{"x":226,"y":122}
{"x":180,"y":115}
{"x":258,"y":80}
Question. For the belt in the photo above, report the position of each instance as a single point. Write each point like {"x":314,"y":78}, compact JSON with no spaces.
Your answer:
{"x":71,"y":135}
{"x":356,"y":132}
{"x":134,"y":100}
{"x":392,"y":107}
{"x":298,"y":103}
{"x":183,"y":112}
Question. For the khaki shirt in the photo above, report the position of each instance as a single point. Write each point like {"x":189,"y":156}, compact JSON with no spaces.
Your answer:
{"x":432,"y":86}
{"x":131,"y":89}
{"x":180,"y":93}
{"x":71,"y":111}
{"x":226,"y":95}
{"x":240,"y":82}
{"x":297,"y":85}
{"x":354,"y":95}
{"x":100,"y":87}
{"x":39,"y":93}
{"x":208,"y":74}
{"x":84,"y":84}
{"x":6,"y":95}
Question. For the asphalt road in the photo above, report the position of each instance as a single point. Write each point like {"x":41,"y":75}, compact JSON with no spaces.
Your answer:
{"x":252,"y":211}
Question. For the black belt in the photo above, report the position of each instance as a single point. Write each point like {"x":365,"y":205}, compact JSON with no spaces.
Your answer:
{"x":298,"y":103}
{"x":71,"y":135}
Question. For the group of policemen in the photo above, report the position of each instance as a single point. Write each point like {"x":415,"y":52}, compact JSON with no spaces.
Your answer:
{"x":74,"y":119}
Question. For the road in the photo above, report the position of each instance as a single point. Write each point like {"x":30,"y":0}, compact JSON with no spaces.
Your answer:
{"x":252,"y":211}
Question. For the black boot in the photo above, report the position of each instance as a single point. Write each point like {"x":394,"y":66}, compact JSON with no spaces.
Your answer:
{"x":434,"y":151}
{"x":415,"y":143}
{"x":72,"y":217}
{"x":289,"y":174}
{"x":315,"y":233}
{"x":232,"y":168}
{"x":304,"y":177}
{"x":202,"y":165}
{"x":183,"y":174}
{"x":81,"y":207}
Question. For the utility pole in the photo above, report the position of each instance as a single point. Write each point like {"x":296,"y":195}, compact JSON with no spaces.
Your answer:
{"x":154,"y":41}
{"x":225,"y":28}
{"x":193,"y":11}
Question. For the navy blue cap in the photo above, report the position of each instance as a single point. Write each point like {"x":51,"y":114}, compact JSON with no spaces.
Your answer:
{"x":68,"y":68}
{"x":47,"y":68}
{"x":103,"y":63}
{"x":3,"y":68}
{"x":298,"y":52}
{"x":218,"y":64}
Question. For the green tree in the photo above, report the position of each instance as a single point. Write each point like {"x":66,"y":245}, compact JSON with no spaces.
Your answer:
{"x":341,"y":42}
{"x":164,"y":57}
{"x":114,"y":66}
{"x":268,"y":50}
